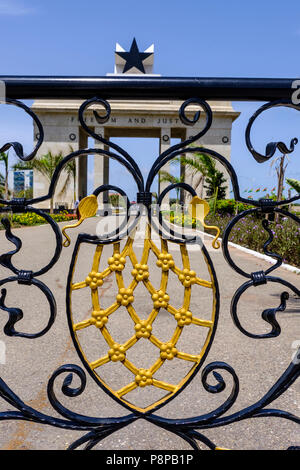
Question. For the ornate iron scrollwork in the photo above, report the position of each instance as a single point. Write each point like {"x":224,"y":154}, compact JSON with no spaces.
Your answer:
{"x":190,"y":429}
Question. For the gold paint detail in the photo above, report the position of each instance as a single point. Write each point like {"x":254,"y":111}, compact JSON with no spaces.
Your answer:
{"x":117,"y":353}
{"x":165,"y":261}
{"x":99,"y":318}
{"x":187,"y":277}
{"x":160,"y":299}
{"x":183,"y":317}
{"x":125,"y":297}
{"x":140,"y":272}
{"x":168,"y":351}
{"x":94,"y":280}
{"x":144,"y":378}
{"x":142,"y":329}
{"x":87,"y":207}
{"x":198,"y":209}
{"x":117,"y":262}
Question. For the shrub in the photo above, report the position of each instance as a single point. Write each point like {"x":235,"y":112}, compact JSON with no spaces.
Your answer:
{"x":31,"y":218}
{"x":228,"y":206}
{"x":248,"y":232}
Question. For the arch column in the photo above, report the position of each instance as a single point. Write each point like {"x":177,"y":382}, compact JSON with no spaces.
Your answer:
{"x":101,"y":165}
{"x":58,"y":137}
{"x":164,"y":144}
{"x":81,"y":167}
{"x":188,"y":173}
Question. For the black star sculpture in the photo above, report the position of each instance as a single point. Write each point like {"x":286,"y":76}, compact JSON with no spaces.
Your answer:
{"x":134,"y":58}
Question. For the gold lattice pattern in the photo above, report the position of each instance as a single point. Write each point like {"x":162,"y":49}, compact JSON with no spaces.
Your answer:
{"x":142,"y":328}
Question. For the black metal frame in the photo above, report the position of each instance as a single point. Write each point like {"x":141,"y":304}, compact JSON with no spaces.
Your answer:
{"x":98,"y":90}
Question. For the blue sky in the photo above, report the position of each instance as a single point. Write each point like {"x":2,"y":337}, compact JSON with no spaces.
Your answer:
{"x":191,"y":38}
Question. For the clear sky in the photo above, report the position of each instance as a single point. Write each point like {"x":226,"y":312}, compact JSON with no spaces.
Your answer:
{"x":192,"y":38}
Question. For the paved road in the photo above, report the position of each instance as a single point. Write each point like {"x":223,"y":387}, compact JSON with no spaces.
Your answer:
{"x":258,"y":363}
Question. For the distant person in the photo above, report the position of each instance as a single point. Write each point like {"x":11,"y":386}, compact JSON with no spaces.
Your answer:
{"x":76,"y":203}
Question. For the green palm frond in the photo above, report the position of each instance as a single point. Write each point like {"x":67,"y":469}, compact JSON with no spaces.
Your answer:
{"x":4,"y":159}
{"x":45,"y":165}
{"x":164,"y":176}
{"x":22,"y":166}
{"x":295,"y":184}
{"x":200,"y":162}
{"x":194,"y":165}
{"x":203,"y":164}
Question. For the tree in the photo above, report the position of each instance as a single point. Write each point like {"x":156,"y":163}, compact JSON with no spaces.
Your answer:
{"x":215,"y":185}
{"x":199,"y":165}
{"x":70,"y":170}
{"x":280,"y":168}
{"x":4,"y":159}
{"x":46,"y":166}
{"x":203,"y":170}
{"x":2,"y":186}
{"x":165,"y":176}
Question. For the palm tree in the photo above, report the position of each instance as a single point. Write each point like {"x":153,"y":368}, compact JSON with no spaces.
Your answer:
{"x":203,"y":169}
{"x":2,"y":186}
{"x":165,"y":176}
{"x":70,"y":170}
{"x":4,"y":159}
{"x":215,"y":185}
{"x":198,"y":165}
{"x":46,"y":166}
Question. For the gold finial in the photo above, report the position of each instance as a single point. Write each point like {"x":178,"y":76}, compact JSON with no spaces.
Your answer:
{"x":86,"y":208}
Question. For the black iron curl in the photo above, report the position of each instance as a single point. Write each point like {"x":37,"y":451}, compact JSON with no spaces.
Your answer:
{"x":191,"y":122}
{"x":265,"y":224}
{"x":16,"y":314}
{"x":18,"y":148}
{"x":198,"y":422}
{"x":66,"y":389}
{"x":175,"y":150}
{"x":268,"y":315}
{"x":27,"y":278}
{"x":220,"y":385}
{"x":272,"y":146}
{"x":6,"y":258}
{"x":100,"y":138}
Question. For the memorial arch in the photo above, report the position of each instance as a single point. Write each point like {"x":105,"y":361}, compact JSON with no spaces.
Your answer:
{"x":155,"y":119}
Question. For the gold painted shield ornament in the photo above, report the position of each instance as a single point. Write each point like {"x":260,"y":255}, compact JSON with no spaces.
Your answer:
{"x":142,"y":327}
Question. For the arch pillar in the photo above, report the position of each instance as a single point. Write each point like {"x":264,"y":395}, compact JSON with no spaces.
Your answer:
{"x":81,"y":167}
{"x":164,"y":144}
{"x":58,"y":137}
{"x":101,"y":165}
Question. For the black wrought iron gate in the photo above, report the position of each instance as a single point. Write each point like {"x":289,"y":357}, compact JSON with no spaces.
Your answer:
{"x":277,"y":93}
